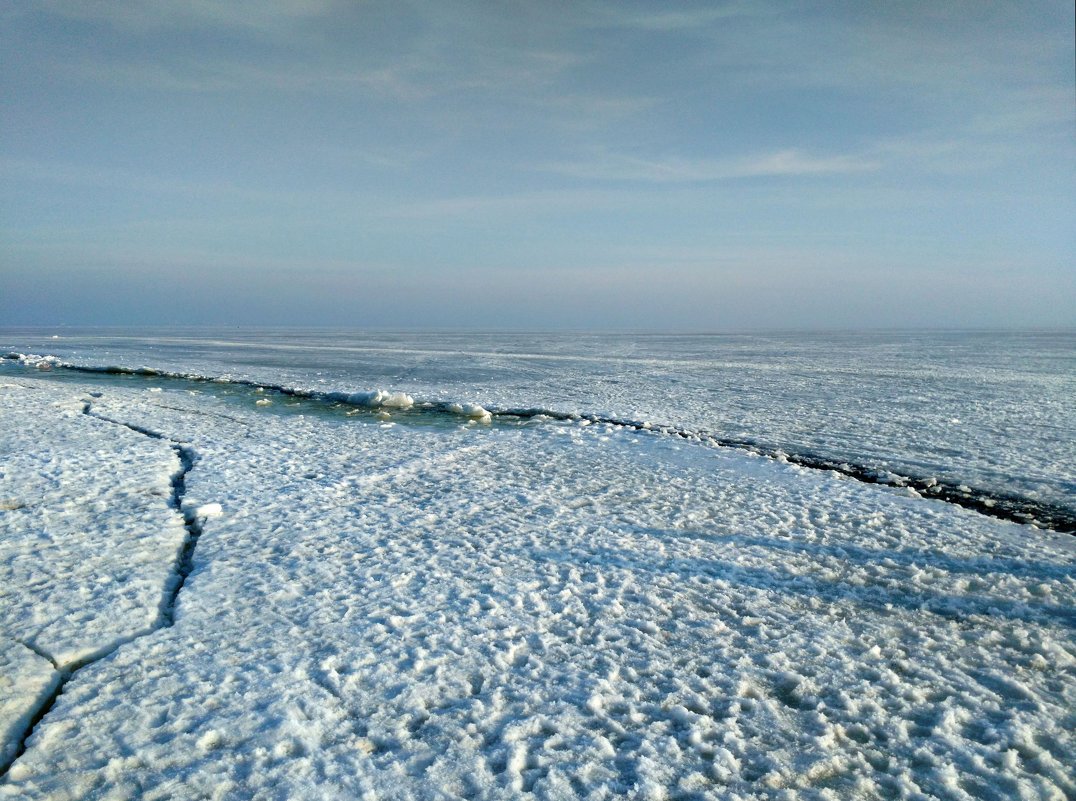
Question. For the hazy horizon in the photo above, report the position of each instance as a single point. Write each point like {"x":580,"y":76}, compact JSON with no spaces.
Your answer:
{"x":141,"y":331}
{"x":699,"y":167}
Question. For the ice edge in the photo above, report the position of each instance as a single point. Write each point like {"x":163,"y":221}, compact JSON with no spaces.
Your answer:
{"x":1002,"y":506}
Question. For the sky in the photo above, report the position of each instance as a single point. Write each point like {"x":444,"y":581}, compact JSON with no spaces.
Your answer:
{"x":562,"y":165}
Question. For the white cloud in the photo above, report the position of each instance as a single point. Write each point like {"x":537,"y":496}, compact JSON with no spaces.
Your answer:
{"x":790,"y":162}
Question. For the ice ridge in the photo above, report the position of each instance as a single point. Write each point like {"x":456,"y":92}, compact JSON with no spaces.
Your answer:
{"x":992,"y":503}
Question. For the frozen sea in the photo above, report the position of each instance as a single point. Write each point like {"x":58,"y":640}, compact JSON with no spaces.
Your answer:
{"x":323,"y":564}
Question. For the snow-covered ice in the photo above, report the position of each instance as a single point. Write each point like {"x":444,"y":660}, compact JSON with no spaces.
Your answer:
{"x":26,"y":681}
{"x":413,"y":608}
{"x":88,"y":539}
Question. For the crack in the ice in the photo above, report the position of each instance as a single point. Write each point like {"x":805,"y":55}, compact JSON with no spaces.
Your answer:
{"x":38,"y":650}
{"x":185,"y":560}
{"x":167,"y":608}
{"x":42,"y":710}
{"x":1010,"y":507}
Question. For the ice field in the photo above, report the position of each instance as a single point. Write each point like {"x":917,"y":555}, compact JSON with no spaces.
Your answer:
{"x":218,"y":590}
{"x":990,"y":411}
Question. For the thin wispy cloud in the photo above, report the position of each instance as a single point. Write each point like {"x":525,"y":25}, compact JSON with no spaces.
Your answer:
{"x":281,"y":55}
{"x":264,"y":17}
{"x":693,"y":20}
{"x":789,"y":163}
{"x":225,"y":75}
{"x":120,"y":180}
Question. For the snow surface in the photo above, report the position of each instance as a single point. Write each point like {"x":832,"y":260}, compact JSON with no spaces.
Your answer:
{"x":88,"y":540}
{"x":26,"y":680}
{"x":384,"y":609}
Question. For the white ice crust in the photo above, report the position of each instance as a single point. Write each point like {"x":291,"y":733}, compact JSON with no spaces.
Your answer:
{"x":547,"y":610}
{"x":376,"y":399}
{"x":26,"y":680}
{"x":88,"y":541}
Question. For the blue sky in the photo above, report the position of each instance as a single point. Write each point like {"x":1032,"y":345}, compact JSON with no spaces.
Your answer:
{"x":703,"y":166}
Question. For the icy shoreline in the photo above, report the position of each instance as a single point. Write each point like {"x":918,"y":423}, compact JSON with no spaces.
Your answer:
{"x":1003,"y":505}
{"x":989,"y":411}
{"x":557,"y":611}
